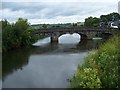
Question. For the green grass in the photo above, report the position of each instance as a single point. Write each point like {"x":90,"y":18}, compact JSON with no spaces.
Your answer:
{"x":100,"y":69}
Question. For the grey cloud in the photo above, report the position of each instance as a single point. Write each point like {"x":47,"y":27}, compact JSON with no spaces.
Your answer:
{"x":67,"y":9}
{"x":40,"y":10}
{"x":77,"y":9}
{"x":24,"y":6}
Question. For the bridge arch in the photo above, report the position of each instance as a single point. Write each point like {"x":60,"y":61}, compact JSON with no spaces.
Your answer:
{"x":83,"y":36}
{"x":55,"y":37}
{"x":104,"y":35}
{"x":85,"y":33}
{"x":69,"y":37}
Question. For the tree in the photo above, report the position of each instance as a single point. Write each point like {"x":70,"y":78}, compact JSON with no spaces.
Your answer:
{"x":44,"y":26}
{"x":110,"y":17}
{"x":92,"y":22}
{"x":74,"y":24}
{"x":16,"y":35}
{"x":22,"y":32}
{"x":8,"y":35}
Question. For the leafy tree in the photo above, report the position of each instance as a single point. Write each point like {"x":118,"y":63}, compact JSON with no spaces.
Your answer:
{"x":103,"y":18}
{"x":92,"y":22}
{"x":7,"y":33}
{"x":22,"y":32}
{"x":74,"y":24}
{"x":110,"y":17}
{"x":4,"y":23}
{"x":44,"y":26}
{"x":16,"y":35}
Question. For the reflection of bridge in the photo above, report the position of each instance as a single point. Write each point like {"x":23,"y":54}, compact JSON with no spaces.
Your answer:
{"x":85,"y":33}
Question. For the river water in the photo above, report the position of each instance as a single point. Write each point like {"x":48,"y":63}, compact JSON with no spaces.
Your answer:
{"x":46,"y":65}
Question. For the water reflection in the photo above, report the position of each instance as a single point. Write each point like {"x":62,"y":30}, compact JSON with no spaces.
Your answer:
{"x":45,"y":71}
{"x":42,"y":42}
{"x":89,"y":45}
{"x":55,"y":48}
{"x":14,"y":60}
{"x":44,"y":66}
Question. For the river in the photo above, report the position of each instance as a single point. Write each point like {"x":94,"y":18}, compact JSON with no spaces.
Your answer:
{"x":45,"y":64}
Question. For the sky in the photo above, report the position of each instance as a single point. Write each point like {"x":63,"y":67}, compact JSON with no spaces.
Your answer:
{"x":55,"y":11}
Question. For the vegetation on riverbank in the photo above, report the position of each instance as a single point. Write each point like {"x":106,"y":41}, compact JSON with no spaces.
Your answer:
{"x":16,"y":35}
{"x":100,"y":69}
{"x":106,"y":19}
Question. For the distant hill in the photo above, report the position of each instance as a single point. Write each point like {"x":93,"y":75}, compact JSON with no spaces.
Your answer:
{"x":39,"y":26}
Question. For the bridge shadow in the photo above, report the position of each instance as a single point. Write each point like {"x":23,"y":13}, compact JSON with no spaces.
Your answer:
{"x":47,"y":48}
{"x":56,"y":47}
{"x":89,"y":45}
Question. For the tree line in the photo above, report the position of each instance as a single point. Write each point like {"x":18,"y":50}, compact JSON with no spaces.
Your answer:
{"x":95,"y":22}
{"x":89,"y":22}
{"x":16,"y":35}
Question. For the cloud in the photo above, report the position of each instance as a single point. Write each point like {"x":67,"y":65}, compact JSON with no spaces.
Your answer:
{"x":55,"y":12}
{"x":28,"y":7}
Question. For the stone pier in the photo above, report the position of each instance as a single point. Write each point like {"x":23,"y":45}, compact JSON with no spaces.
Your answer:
{"x":54,"y":37}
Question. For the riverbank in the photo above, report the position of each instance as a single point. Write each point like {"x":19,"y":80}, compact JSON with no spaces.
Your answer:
{"x":100,"y":69}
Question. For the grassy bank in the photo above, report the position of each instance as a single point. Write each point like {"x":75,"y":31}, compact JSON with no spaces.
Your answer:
{"x":100,"y":69}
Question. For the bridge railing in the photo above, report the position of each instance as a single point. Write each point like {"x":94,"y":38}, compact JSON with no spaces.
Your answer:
{"x":47,"y":30}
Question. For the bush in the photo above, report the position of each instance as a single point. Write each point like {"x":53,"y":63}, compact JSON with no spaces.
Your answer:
{"x":16,"y":35}
{"x":85,"y":78}
{"x":101,"y":66}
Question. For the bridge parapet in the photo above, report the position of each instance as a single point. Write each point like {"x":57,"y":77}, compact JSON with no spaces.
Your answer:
{"x":73,"y":29}
{"x":54,"y":33}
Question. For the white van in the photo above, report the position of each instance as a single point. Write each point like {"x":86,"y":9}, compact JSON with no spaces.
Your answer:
{"x":113,"y":26}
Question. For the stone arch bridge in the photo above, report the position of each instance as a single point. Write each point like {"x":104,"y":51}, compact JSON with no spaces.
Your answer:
{"x":85,"y":33}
